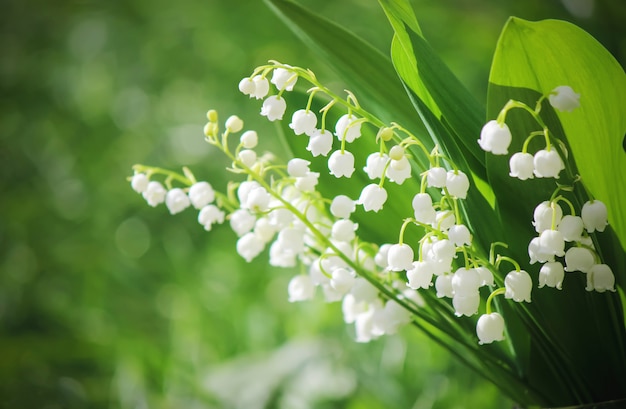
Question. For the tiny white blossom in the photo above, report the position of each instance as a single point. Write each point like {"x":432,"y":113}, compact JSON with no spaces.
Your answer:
{"x":209,"y":215}
{"x":400,"y":257}
{"x":594,"y":215}
{"x":154,"y":193}
{"x":522,"y":166}
{"x":352,"y":308}
{"x":284,"y":79}
{"x":244,"y":190}
{"x":241,"y":221}
{"x":249,"y":246}
{"x":457,"y":183}
{"x":342,"y":206}
{"x":551,"y":242}
{"x":247,"y":157}
{"x":443,"y":250}
{"x":460,"y":235}
{"x":201,"y":194}
{"x":258,"y":200}
{"x":564,"y":98}
{"x":345,"y":127}
{"x":537,"y":253}
{"x":444,"y":220}
{"x":399,"y":170}
{"x":139,"y":182}
{"x":280,"y":256}
{"x":297,"y":167}
{"x":363,"y":290}
{"x":436,"y":177}
{"x":465,"y":282}
{"x":423,"y":209}
{"x":547,"y":164}
{"x":274,"y":108}
{"x":264,"y":229}
{"x":466,"y":304}
{"x":518,"y":285}
{"x":320,"y":143}
{"x":579,"y":259}
{"x":486,"y":277}
{"x":443,"y":285}
{"x":543,"y":216}
{"x":261,"y":87}
{"x":303,"y":122}
{"x":375,"y":165}
{"x":341,"y":164}
{"x":307,"y":182}
{"x":300,"y":288}
{"x":420,"y":275}
{"x":373,"y":197}
{"x":176,"y":200}
{"x":600,"y":278}
{"x":489,"y":328}
{"x":342,"y":280}
{"x":247,"y":87}
{"x":495,"y":138}
{"x":249,"y":139}
{"x":344,"y":230}
{"x":234,"y":124}
{"x":381,"y":258}
{"x":571,"y":227}
{"x":551,"y":274}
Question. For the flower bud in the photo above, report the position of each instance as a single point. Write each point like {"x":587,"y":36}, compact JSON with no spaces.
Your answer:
{"x":249,"y":139}
{"x":234,"y":124}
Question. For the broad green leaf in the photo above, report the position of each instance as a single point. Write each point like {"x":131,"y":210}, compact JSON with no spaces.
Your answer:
{"x":551,"y":53}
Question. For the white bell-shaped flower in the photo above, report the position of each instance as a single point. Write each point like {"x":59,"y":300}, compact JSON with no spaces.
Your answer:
{"x":300,"y":288}
{"x":342,"y":280}
{"x":399,"y":170}
{"x":303,"y":122}
{"x":283,"y":79}
{"x":341,"y":164}
{"x":375,"y":165}
{"x":382,"y":256}
{"x":234,"y":124}
{"x":139,"y":182}
{"x":564,"y":98}
{"x":344,"y":230}
{"x":390,"y":318}
{"x":466,"y":304}
{"x":486,"y":277}
{"x":364,"y":326}
{"x":347,"y":127}
{"x":495,"y":138}
{"x":247,"y":157}
{"x":373,"y":197}
{"x":249,"y":246}
{"x":342,"y":206}
{"x":320,"y":143}
{"x":543,"y":216}
{"x":176,"y":200}
{"x":307,"y":182}
{"x":247,"y":87}
{"x":154,"y":193}
{"x":282,"y":257}
{"x":600,"y":278}
{"x":274,"y":108}
{"x":465,"y":282}
{"x":423,"y":209}
{"x":579,"y":259}
{"x":363,"y":290}
{"x":518,"y":286}
{"x":489,"y":328}
{"x":297,"y":167}
{"x":420,"y":275}
{"x":258,"y":200}
{"x":460,"y":235}
{"x":571,"y":227}
{"x":241,"y":221}
{"x":264,"y":229}
{"x":292,"y":239}
{"x":249,"y":139}
{"x":551,"y":242}
{"x":547,"y":164}
{"x":201,"y":194}
{"x":261,"y":87}
{"x":538,"y":253}
{"x":330,"y":294}
{"x":457,"y":183}
{"x":400,"y":257}
{"x":436,"y":177}
{"x":522,"y":166}
{"x":352,"y":308}
{"x":209,"y":215}
{"x":443,"y":285}
{"x":551,"y":274}
{"x":443,"y":250}
{"x":594,"y":215}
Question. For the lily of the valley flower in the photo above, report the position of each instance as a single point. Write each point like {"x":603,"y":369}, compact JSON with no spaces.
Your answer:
{"x":210,"y":215}
{"x":320,"y":143}
{"x":547,"y":164}
{"x":521,"y":165}
{"x":373,"y":197}
{"x":518,"y":285}
{"x":303,"y":122}
{"x":600,"y":278}
{"x":139,"y":182}
{"x":571,"y":227}
{"x":375,"y":165}
{"x":489,"y":328}
{"x":551,"y":274}
{"x":201,"y":194}
{"x":400,"y":257}
{"x":283,"y":79}
{"x":436,"y":177}
{"x":274,"y":108}
{"x":249,"y":246}
{"x":579,"y":259}
{"x":420,"y":275}
{"x":457,"y":183}
{"x":495,"y":138}
{"x":345,"y":126}
{"x":176,"y":200}
{"x":594,"y":215}
{"x":564,"y":98}
{"x":341,"y":164}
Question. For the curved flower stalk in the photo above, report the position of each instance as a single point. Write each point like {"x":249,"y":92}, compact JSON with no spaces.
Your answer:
{"x":278,"y":207}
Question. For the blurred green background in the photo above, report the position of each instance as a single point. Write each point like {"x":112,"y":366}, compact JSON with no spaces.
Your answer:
{"x":107,"y":303}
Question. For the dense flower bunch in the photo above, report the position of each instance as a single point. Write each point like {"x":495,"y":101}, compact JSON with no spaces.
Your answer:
{"x":381,"y":285}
